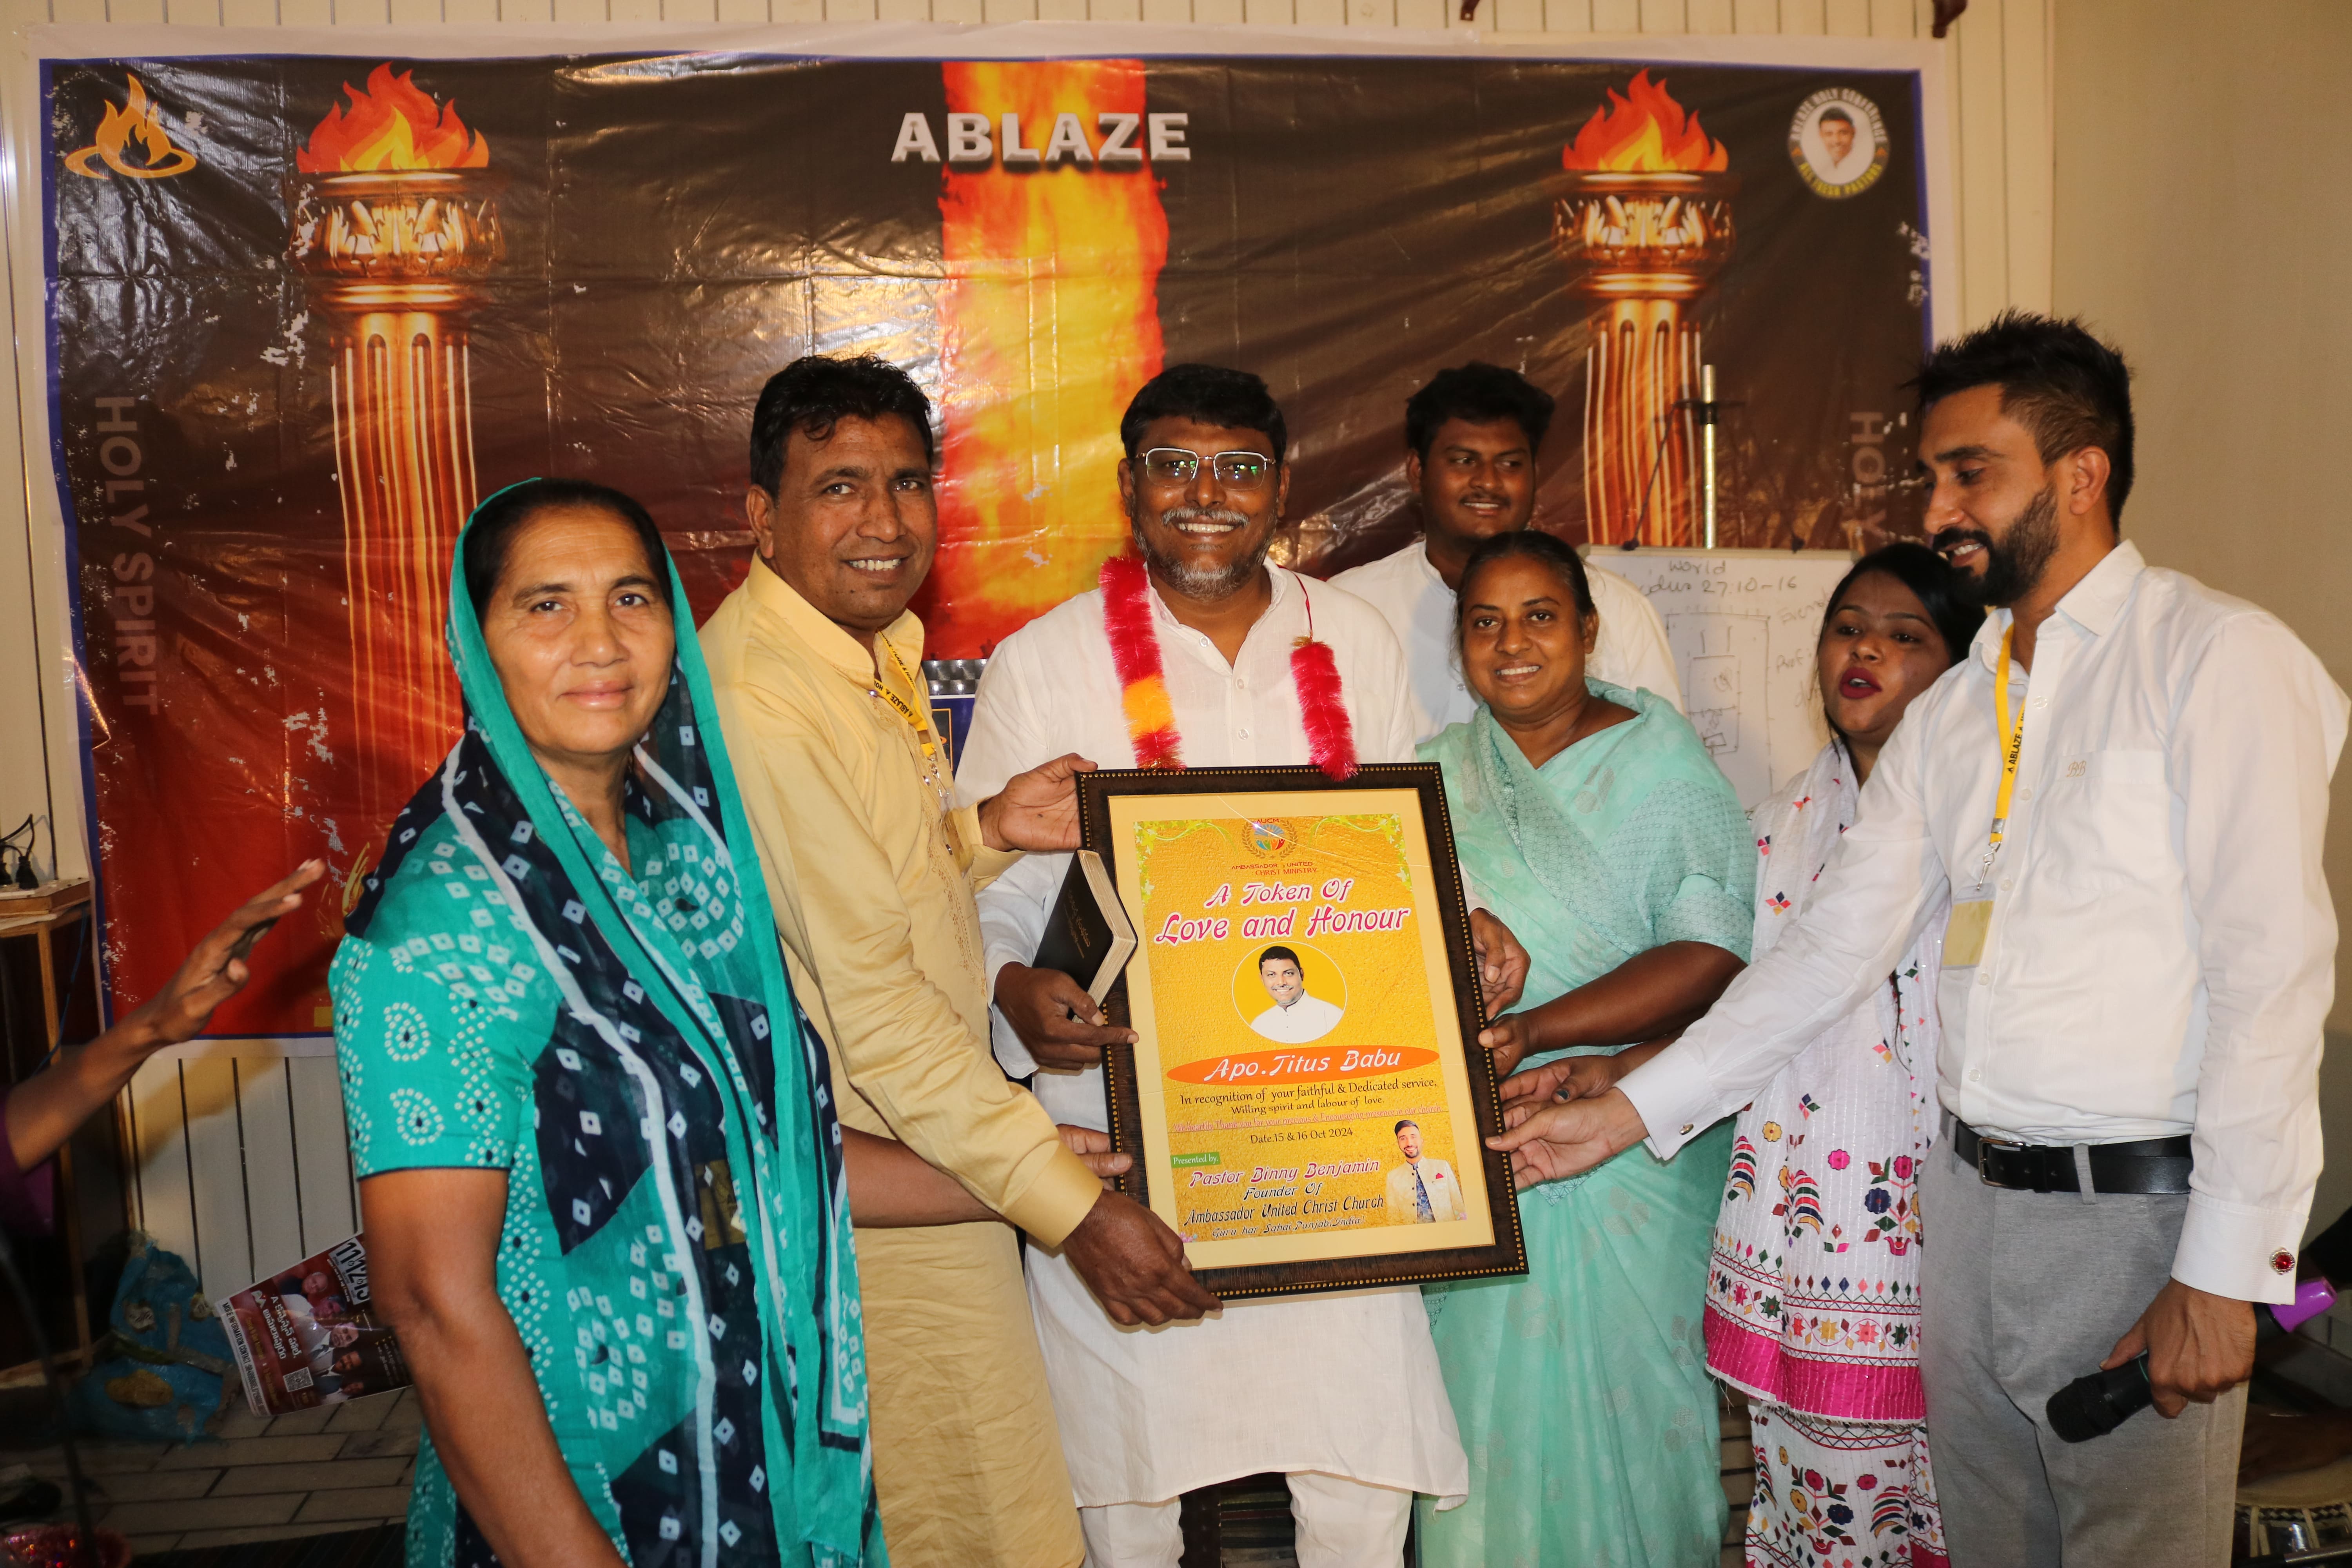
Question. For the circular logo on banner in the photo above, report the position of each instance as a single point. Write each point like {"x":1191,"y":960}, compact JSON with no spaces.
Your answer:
{"x":1269,"y":837}
{"x":1838,"y":144}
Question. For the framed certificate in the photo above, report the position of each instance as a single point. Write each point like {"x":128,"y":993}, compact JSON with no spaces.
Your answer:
{"x":1306,"y":1100}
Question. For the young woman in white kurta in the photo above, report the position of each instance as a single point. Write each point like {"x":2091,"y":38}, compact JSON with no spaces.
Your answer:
{"x":1813,"y":1291}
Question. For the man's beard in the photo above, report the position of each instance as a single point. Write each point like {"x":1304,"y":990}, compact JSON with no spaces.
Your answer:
{"x":1197,"y":581}
{"x":2015,"y":564}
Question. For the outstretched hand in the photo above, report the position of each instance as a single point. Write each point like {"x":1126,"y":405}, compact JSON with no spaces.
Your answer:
{"x":216,"y":970}
{"x":1135,"y":1265}
{"x":1571,"y":1078}
{"x":1502,"y":961}
{"x":1508,"y":1040}
{"x":1094,"y":1149}
{"x":1056,"y":1018}
{"x":43,"y":1111}
{"x":1038,"y":810}
{"x":1551,"y":1143}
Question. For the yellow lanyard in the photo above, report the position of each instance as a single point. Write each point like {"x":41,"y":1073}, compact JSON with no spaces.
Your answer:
{"x":2012,"y":742}
{"x":924,"y":734}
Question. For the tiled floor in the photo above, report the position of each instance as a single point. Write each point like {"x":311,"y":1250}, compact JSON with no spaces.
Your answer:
{"x":344,"y":1466}
{"x":349,"y":1466}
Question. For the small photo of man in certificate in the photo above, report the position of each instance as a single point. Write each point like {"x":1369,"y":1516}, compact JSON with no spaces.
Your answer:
{"x":1421,"y":1190}
{"x":1295,"y":1017}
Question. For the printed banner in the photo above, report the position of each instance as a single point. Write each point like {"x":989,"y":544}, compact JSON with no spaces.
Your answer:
{"x":306,"y":309}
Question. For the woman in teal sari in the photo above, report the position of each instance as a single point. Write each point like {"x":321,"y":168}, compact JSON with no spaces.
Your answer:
{"x":1591,"y":821}
{"x":607,"y":1205}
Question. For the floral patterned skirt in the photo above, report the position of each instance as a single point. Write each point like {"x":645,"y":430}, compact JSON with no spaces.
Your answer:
{"x":1813,"y":1290}
{"x":1840,"y":1494}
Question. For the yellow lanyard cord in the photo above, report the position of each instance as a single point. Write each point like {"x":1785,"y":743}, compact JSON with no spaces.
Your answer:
{"x":916,"y":721}
{"x":925,"y":736}
{"x":2012,"y":742}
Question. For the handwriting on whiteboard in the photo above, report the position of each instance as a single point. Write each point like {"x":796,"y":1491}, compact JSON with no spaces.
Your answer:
{"x":1743,"y":626}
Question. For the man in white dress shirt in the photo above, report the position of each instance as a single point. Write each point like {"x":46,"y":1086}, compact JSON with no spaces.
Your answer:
{"x":1471,"y":437}
{"x":1342,"y":1392}
{"x":2138,"y":957}
{"x":1295,"y":1017}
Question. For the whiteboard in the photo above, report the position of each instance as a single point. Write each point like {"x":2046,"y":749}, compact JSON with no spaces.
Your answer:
{"x":1743,"y":624}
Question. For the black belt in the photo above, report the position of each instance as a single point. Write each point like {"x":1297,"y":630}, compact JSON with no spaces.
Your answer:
{"x":2149,"y":1165}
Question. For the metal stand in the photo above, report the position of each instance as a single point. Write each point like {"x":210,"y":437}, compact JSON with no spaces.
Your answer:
{"x":1707,"y":408}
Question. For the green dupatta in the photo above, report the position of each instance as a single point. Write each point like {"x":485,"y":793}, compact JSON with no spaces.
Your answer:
{"x":666,"y":1022}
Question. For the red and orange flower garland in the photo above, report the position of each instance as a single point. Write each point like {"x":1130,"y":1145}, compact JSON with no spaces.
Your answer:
{"x":1143,"y":697}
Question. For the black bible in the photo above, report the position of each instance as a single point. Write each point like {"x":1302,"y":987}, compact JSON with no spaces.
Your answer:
{"x":1088,"y":936}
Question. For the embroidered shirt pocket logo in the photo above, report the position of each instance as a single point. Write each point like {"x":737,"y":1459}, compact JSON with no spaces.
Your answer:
{"x":2078,"y":767}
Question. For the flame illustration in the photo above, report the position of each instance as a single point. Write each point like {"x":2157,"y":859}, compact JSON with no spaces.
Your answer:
{"x":1643,"y":132}
{"x":139,"y":120}
{"x":1049,"y":322}
{"x":394,"y":124}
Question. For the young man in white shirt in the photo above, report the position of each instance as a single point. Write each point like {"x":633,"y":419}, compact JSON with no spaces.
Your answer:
{"x":1342,"y":1392}
{"x":2137,"y":956}
{"x":1471,"y":437}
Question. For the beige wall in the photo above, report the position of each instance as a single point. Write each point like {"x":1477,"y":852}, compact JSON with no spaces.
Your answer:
{"x":2204,"y":220}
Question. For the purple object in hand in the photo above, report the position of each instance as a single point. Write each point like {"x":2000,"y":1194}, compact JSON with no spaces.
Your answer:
{"x":2312,"y":1298}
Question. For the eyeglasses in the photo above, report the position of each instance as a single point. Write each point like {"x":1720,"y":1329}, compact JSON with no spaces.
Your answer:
{"x":1234,"y":470}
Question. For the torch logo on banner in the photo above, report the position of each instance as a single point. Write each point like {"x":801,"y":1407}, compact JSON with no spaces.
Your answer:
{"x":396,"y":223}
{"x":1644,"y":225}
{"x":140,"y":120}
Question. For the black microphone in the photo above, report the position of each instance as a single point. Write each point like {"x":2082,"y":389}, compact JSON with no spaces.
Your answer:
{"x":2095,"y":1406}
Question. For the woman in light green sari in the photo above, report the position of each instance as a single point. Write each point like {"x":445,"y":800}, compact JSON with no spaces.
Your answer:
{"x":1592,"y":822}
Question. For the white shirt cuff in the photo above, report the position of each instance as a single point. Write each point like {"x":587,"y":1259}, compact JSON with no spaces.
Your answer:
{"x":1676,"y":1101}
{"x":1011,"y":1054}
{"x":2229,"y":1249}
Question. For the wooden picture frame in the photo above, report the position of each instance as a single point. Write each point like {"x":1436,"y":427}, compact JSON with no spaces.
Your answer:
{"x":1265,"y":1098}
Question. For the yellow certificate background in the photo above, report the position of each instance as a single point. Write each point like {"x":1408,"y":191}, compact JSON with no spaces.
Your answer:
{"x":1171,"y":853}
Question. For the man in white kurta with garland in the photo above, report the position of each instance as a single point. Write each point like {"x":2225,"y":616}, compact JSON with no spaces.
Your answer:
{"x":1340,"y":1393}
{"x":1471,"y":437}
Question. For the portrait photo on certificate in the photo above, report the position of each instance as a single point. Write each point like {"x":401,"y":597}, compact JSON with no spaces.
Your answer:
{"x":1306,"y":1100}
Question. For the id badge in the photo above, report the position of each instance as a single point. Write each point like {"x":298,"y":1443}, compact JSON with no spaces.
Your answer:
{"x":1964,"y":934}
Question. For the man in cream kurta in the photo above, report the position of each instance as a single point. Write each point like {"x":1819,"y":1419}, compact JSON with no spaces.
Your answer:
{"x":872,"y":876}
{"x":872,"y":898}
{"x":1341,"y":1385}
